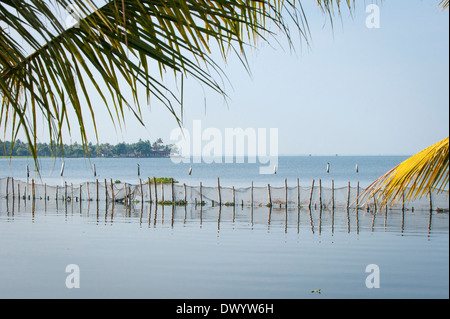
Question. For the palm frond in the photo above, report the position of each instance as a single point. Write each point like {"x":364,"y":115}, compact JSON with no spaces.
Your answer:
{"x":419,"y":175}
{"x":114,"y":44}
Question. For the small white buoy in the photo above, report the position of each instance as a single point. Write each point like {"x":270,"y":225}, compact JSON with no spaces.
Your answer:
{"x":328,"y":167}
{"x":190,"y":170}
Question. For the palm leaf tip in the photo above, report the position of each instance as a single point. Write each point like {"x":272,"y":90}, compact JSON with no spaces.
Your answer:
{"x":419,"y":175}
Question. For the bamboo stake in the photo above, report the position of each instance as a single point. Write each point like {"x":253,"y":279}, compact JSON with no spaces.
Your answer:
{"x":96,"y":188}
{"x":12,"y":185}
{"x":285,"y":192}
{"x":125,"y":198}
{"x":171,"y":186}
{"x":7,"y":190}
{"x":112,"y":192}
{"x":142,"y":192}
{"x":88,"y":193}
{"x":106,"y":191}
{"x":32,"y":189}
{"x":320,"y":195}
{"x":156,"y":191}
{"x":149,"y":190}
{"x":429,"y":198}
{"x":310,"y":195}
{"x":403,"y":201}
{"x":80,"y":194}
{"x":185,"y":195}
{"x":270,"y":196}
{"x":201,"y":196}
{"x":357,"y":196}
{"x":332,"y":193}
{"x":162,"y":191}
{"x":298,"y":193}
{"x":218,"y":189}
{"x":234,"y":198}
{"x":348,"y":195}
{"x":252,"y":195}
{"x":65,"y":190}
{"x":71,"y":192}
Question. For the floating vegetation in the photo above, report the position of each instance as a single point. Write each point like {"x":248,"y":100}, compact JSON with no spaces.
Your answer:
{"x":164,"y":180}
{"x":172,"y":203}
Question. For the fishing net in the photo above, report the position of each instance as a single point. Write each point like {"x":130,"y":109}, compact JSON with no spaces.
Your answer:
{"x":314,"y":196}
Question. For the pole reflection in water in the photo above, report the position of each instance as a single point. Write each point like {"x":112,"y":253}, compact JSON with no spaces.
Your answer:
{"x":224,"y":216}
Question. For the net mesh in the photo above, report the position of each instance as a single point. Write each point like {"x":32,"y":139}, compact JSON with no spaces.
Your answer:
{"x":315,"y":195}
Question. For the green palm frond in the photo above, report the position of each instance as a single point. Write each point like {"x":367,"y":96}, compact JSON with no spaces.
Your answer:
{"x":123,"y":50}
{"x":444,"y":4}
{"x":419,"y":175}
{"x":119,"y":40}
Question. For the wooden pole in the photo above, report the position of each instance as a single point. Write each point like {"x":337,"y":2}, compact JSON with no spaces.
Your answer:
{"x":234,"y":198}
{"x":12,"y":185}
{"x":185,"y":195}
{"x":218,"y":189}
{"x":162,"y":191}
{"x":173,"y":194}
{"x":403,"y":201}
{"x":88,"y":193}
{"x":142,"y":191}
{"x":320,"y":194}
{"x":332,"y":193}
{"x":156,"y":191}
{"x":112,"y":191}
{"x":80,"y":194}
{"x":270,"y":196}
{"x":348,"y":195}
{"x":125,"y":198}
{"x":252,"y":194}
{"x":33,"y":194}
{"x":298,"y":193}
{"x":429,"y":199}
{"x":7,"y":190}
{"x":96,"y":188}
{"x":65,"y":191}
{"x":285,"y":192}
{"x":149,"y":189}
{"x":71,"y":192}
{"x":201,"y":196}
{"x":106,"y":191}
{"x":357,"y":195}
{"x":310,"y":195}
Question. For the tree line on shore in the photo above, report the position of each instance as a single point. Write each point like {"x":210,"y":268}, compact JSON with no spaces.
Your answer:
{"x":138,"y":149}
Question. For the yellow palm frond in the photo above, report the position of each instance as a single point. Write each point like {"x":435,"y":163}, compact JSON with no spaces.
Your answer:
{"x":419,"y":175}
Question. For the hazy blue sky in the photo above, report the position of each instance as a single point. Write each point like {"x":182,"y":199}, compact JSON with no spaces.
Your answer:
{"x":355,"y":91}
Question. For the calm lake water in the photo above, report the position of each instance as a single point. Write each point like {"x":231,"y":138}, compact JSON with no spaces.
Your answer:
{"x":77,"y":170}
{"x":187,"y":252}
